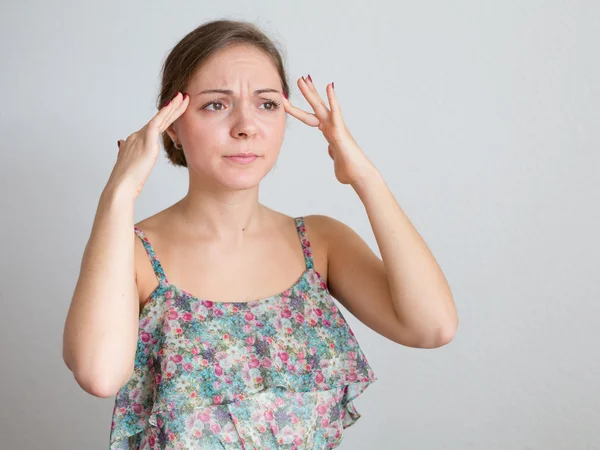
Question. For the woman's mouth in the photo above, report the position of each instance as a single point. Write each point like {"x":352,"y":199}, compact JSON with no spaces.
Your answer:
{"x":242,"y":158}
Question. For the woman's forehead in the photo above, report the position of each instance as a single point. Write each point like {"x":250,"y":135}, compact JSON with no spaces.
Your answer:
{"x":235,"y":68}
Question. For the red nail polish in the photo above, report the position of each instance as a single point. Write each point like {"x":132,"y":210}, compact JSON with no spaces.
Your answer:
{"x":285,"y":95}
{"x":332,"y":85}
{"x":168,"y":103}
{"x":309,"y":77}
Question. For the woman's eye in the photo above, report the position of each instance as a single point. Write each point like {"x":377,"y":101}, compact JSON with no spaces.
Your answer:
{"x":214,"y":103}
{"x":273,"y":105}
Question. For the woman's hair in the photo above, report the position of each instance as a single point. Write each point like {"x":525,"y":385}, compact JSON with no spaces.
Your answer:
{"x":194,"y":50}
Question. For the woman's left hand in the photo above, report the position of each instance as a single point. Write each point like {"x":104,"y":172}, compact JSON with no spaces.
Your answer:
{"x":350,"y":163}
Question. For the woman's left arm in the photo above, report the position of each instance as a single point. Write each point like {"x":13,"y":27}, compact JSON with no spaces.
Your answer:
{"x":419,"y":290}
{"x":404,"y":295}
{"x":406,"y":287}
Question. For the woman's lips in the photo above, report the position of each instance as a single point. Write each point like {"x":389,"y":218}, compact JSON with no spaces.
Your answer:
{"x":242,"y":159}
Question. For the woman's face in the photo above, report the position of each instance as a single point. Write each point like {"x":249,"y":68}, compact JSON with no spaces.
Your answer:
{"x":219,"y":124}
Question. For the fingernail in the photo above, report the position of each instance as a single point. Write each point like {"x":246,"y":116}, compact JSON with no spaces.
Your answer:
{"x":285,"y":95}
{"x":332,"y":85}
{"x":118,"y":144}
{"x":168,"y":103}
{"x":185,"y":94}
{"x":309,"y":77}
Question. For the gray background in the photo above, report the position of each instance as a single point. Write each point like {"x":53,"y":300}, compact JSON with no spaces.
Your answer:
{"x":482,"y":117}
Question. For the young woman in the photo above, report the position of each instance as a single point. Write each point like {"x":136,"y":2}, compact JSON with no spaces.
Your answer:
{"x":213,"y":321}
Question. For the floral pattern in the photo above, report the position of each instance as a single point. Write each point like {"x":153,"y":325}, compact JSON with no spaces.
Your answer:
{"x":279,"y":372}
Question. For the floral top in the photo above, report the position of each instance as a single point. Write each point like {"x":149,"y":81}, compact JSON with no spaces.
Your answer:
{"x":279,"y":372}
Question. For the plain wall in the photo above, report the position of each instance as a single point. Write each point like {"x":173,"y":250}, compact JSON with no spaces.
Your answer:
{"x":483,"y":119}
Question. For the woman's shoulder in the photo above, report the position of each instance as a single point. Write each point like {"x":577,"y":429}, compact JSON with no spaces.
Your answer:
{"x":315,"y":226}
{"x":151,"y":228}
{"x":153,"y":223}
{"x":321,"y":226}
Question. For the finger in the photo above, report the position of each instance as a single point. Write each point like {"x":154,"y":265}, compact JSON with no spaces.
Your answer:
{"x":303,"y":116}
{"x":159,"y":118}
{"x":313,"y":98}
{"x":170,"y":111}
{"x":178,"y":109}
{"x":167,"y":107}
{"x":336,"y":112}
{"x":313,"y":88}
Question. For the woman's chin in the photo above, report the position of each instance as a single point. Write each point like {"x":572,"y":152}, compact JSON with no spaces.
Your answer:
{"x":241,"y":180}
{"x":242,"y":177}
{"x":234,"y":177}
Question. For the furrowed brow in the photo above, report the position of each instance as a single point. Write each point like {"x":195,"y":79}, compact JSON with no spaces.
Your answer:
{"x":230,"y":92}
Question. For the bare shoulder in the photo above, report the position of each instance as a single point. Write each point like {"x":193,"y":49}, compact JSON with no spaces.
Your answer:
{"x":325,"y":228}
{"x":315,"y":233}
{"x":347,"y":257}
{"x":144,"y":272}
{"x":321,"y":231}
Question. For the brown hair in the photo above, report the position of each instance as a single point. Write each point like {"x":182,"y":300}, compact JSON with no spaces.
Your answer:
{"x":191,"y":52}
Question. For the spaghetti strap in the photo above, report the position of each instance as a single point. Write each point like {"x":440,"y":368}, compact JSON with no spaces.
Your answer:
{"x":301,"y":227}
{"x":158,"y":270}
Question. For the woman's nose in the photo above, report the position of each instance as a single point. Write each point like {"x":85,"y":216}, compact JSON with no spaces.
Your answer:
{"x":245,"y":125}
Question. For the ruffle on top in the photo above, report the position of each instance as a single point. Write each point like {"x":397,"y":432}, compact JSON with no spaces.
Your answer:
{"x":280,"y":372}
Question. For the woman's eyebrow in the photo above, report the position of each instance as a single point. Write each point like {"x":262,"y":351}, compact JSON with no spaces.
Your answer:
{"x":230,"y":92}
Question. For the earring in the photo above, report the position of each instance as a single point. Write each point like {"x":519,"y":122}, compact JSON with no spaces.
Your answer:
{"x":177,"y":145}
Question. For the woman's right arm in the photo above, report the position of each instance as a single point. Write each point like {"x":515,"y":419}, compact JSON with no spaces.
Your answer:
{"x":100,"y":335}
{"x":101,"y":328}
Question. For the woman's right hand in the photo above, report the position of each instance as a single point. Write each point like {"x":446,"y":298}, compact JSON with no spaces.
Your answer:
{"x":139,"y":152}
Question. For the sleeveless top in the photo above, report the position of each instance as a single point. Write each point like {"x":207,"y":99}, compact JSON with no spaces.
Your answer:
{"x":279,"y":372}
